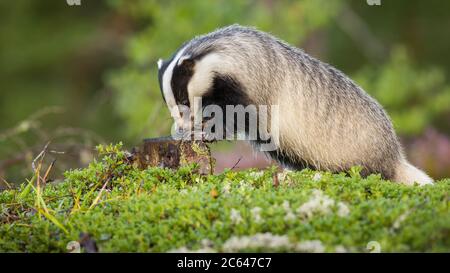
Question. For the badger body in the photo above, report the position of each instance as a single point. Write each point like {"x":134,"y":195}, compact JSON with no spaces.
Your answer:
{"x":326,"y":121}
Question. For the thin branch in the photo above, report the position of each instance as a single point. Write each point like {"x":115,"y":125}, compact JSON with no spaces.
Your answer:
{"x":39,"y":156}
{"x":239,"y":160}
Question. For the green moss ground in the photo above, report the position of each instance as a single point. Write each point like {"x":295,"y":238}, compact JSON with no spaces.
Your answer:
{"x":159,"y":210}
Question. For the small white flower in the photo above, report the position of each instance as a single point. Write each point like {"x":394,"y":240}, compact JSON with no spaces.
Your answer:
{"x":340,"y":249}
{"x":256,"y":213}
{"x":343,"y":209}
{"x":243,"y":184}
{"x":187,"y":250}
{"x":206,"y":247}
{"x":317,"y":193}
{"x":290,"y":216}
{"x":400,"y":220}
{"x":318,"y":203}
{"x":269,"y":241}
{"x":180,"y":250}
{"x":234,"y":244}
{"x":235,"y":216}
{"x":314,"y":246}
{"x":206,"y":243}
{"x":244,"y":187}
{"x":259,"y":240}
{"x":256,"y":175}
{"x":226,"y":188}
{"x":286,"y":206}
{"x":317,"y":177}
{"x":283,"y":175}
{"x":183,"y":191}
{"x":273,"y":241}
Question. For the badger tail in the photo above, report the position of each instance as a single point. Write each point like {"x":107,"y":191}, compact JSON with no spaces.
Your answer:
{"x":407,"y":174}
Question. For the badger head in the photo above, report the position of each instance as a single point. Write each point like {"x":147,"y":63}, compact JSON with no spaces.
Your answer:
{"x":193,"y":76}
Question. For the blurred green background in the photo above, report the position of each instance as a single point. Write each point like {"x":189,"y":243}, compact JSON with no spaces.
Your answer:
{"x":82,"y":75}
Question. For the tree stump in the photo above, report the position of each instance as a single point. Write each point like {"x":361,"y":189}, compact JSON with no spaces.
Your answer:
{"x":166,"y":152}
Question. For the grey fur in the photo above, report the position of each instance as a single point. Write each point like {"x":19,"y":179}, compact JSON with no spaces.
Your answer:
{"x":327,"y":122}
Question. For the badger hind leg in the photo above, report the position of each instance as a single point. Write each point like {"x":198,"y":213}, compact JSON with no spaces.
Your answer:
{"x":407,"y":174}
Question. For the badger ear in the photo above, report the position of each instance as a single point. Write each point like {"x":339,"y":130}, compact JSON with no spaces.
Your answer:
{"x":186,"y":61}
{"x":160,"y":62}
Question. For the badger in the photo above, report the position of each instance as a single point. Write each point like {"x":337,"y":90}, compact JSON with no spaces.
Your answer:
{"x":326,"y":121}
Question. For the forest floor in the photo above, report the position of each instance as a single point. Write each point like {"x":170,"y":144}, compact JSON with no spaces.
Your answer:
{"x":112,"y":206}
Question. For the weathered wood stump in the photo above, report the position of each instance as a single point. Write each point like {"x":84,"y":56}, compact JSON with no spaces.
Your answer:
{"x":167,"y":152}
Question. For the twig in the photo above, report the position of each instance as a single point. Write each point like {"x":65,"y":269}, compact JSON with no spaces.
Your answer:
{"x":48,"y":171}
{"x":27,"y":154}
{"x":40,"y":155}
{"x":276,"y":182}
{"x":99,"y":194}
{"x":239,"y":160}
{"x":6,"y":183}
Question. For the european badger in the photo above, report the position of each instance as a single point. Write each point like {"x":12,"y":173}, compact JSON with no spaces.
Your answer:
{"x":326,"y":121}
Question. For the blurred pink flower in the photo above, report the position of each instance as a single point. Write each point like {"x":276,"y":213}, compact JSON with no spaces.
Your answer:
{"x":431,"y":152}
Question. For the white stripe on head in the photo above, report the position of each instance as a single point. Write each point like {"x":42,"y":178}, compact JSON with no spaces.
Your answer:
{"x":167,"y":90}
{"x":203,"y":77}
{"x":183,"y":58}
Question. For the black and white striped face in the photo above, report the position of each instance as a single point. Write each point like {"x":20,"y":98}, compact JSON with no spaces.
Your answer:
{"x":187,"y":76}
{"x":174,"y":75}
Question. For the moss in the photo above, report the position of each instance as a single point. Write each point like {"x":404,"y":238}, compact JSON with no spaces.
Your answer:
{"x":123,"y":208}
